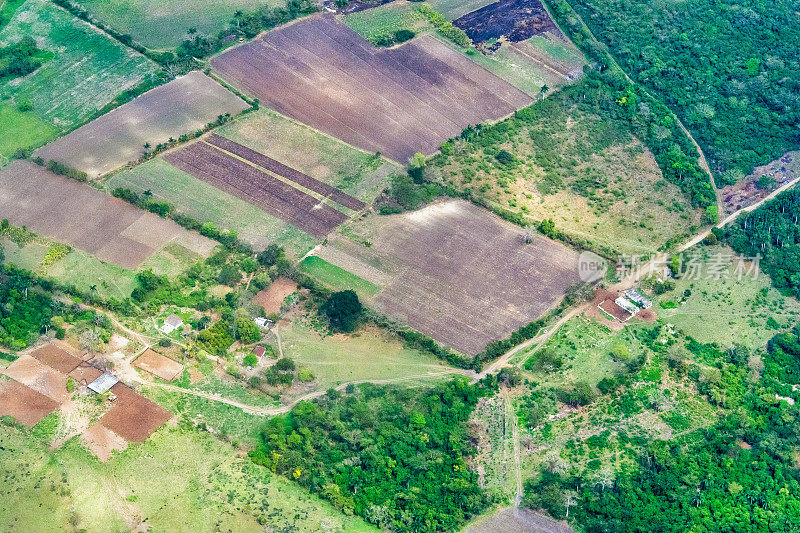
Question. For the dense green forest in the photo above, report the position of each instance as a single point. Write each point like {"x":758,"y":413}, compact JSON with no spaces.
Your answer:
{"x":625,"y":107}
{"x":740,"y":475}
{"x":729,"y":68}
{"x":28,"y":310}
{"x":772,"y":231}
{"x":393,"y":456}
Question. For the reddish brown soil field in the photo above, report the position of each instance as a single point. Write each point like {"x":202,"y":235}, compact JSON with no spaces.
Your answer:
{"x":287,"y":172}
{"x":516,"y":20}
{"x":395,"y":101}
{"x":272,"y":297}
{"x":133,"y":416}
{"x":158,"y":365}
{"x":26,"y":405}
{"x":56,"y":358}
{"x":614,"y":310}
{"x":183,"y":105}
{"x":85,"y":374}
{"x":39,"y":377}
{"x":81,"y":216}
{"x":240,"y":179}
{"x":459,"y":274}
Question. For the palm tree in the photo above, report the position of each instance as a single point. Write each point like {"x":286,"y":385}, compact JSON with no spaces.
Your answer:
{"x":237,"y":17}
{"x":544,"y":90}
{"x":192,"y":30}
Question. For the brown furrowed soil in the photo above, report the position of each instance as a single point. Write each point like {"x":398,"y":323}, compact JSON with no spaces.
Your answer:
{"x":81,"y":216}
{"x":245,"y":181}
{"x":457,"y":273}
{"x":184,"y":105}
{"x":26,"y":405}
{"x":133,"y":417}
{"x":395,"y":101}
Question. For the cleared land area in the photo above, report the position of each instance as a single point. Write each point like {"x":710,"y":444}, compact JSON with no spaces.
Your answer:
{"x":395,"y":101}
{"x":87,"y":71}
{"x":271,"y":298}
{"x":27,"y":406}
{"x":158,"y":365}
{"x":455,"y":272}
{"x":251,"y":184}
{"x":515,"y":20}
{"x":81,"y":216}
{"x":183,"y":105}
{"x":164,"y":24}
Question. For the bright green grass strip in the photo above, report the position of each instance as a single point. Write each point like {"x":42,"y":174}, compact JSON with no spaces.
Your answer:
{"x":336,"y":277}
{"x":19,"y":129}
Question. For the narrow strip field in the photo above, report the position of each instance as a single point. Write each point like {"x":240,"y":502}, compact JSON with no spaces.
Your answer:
{"x":240,"y":179}
{"x":395,"y":101}
{"x":287,"y":172}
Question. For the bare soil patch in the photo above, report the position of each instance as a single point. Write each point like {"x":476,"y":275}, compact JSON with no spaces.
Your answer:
{"x":272,"y":297}
{"x":247,"y":182}
{"x":748,"y":191}
{"x":158,"y":365}
{"x":516,"y":20}
{"x":81,"y":216}
{"x":395,"y":101}
{"x":183,"y":105}
{"x":460,"y":274}
{"x":518,"y":520}
{"x":102,"y":442}
{"x":56,"y":358}
{"x":133,"y":417}
{"x":85,"y":374}
{"x":39,"y":377}
{"x":26,"y":405}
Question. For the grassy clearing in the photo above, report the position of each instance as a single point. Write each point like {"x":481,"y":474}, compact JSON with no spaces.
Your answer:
{"x":178,"y":480}
{"x":21,"y":130}
{"x":207,"y":203}
{"x":158,"y":24}
{"x":453,"y":9}
{"x":336,"y":277}
{"x":585,"y":348}
{"x":308,"y":150}
{"x":387,"y":20}
{"x":88,"y":70}
{"x":336,"y":359}
{"x":726,"y":311}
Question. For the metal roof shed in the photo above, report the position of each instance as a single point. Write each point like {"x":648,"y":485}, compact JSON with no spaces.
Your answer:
{"x":103,"y":383}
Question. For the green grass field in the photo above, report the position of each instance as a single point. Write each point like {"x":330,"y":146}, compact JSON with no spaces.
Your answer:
{"x":209,"y":204}
{"x":387,"y":19}
{"x":336,"y":277}
{"x":88,"y":70}
{"x":727,"y":310}
{"x":336,"y":359}
{"x":19,"y":129}
{"x":180,"y":479}
{"x":453,"y":9}
{"x":163,"y":24}
{"x":310,"y":151}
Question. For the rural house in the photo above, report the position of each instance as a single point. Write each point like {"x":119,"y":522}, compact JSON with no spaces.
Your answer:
{"x":171,"y":323}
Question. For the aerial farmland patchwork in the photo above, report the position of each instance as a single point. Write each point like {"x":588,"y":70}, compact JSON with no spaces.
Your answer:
{"x":391,"y":265}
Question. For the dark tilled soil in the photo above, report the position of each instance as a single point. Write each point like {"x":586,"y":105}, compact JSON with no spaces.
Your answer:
{"x":229,"y":174}
{"x":396,"y":101}
{"x":516,"y":20}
